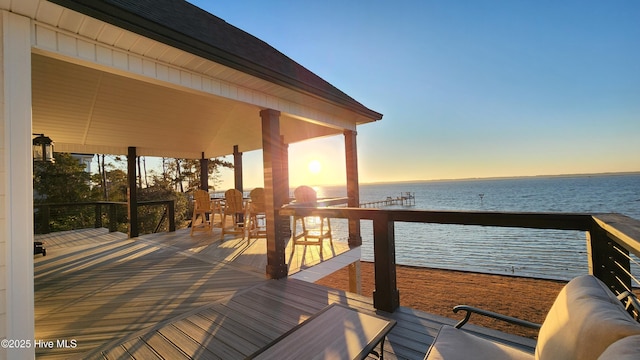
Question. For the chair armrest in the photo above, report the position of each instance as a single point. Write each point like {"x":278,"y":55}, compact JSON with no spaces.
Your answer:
{"x":470,"y":309}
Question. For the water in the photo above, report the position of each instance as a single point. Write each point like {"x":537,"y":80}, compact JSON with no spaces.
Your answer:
{"x":552,"y":254}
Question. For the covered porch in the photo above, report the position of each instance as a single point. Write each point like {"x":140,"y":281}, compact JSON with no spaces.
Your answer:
{"x":150,"y":78}
{"x":192,"y":87}
{"x":177,"y":296}
{"x":166,"y":296}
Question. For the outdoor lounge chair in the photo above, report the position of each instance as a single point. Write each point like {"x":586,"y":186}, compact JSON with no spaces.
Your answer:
{"x":313,"y":229}
{"x":256,"y":212}
{"x":586,"y":321}
{"x":233,"y":210}
{"x":202,"y":212}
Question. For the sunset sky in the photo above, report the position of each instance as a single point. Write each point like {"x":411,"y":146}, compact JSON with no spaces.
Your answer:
{"x":467,"y":88}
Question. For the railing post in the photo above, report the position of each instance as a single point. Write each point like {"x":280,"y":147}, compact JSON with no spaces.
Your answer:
{"x":98,"y":213}
{"x":113,"y":223}
{"x":132,"y":193}
{"x":44,"y":218}
{"x":605,"y":257}
{"x":386,"y":296}
{"x":171,"y":213}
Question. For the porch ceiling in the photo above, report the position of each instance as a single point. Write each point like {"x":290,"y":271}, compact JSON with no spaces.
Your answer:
{"x":87,"y":110}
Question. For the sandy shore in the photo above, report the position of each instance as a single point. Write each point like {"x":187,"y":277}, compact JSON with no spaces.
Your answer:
{"x":437,"y":291}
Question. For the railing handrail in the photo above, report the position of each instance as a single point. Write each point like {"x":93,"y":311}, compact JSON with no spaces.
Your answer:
{"x":625,"y":230}
{"x":535,"y":220}
{"x":83,"y":203}
{"x":610,"y":238}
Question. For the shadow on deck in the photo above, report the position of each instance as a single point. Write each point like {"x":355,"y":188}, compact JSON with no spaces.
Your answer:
{"x":175,"y":296}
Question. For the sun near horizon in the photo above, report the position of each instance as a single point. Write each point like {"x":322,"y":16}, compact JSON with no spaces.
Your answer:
{"x":314,"y":167}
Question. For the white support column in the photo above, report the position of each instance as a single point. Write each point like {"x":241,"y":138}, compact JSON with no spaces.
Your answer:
{"x":16,"y":189}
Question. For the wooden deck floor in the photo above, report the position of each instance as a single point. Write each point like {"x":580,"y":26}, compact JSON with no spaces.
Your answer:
{"x":240,"y":252}
{"x":175,"y":296}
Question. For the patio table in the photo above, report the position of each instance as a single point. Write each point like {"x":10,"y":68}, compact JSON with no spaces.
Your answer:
{"x":336,"y":332}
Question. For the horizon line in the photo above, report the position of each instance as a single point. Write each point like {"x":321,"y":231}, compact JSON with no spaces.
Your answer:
{"x":506,"y":177}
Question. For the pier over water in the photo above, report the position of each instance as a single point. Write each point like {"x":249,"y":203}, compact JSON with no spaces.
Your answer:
{"x":405,"y":199}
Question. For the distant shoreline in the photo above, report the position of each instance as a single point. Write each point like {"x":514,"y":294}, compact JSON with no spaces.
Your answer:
{"x":501,"y":178}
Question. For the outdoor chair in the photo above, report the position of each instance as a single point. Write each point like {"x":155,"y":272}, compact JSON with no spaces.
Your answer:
{"x":233,"y":212}
{"x":586,"y":321}
{"x":313,"y":229}
{"x":38,"y":248}
{"x":203,"y":212}
{"x":256,"y":212}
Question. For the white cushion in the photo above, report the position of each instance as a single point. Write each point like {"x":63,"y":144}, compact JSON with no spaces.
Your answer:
{"x":452,"y":343}
{"x":625,"y":349}
{"x":583,"y":321}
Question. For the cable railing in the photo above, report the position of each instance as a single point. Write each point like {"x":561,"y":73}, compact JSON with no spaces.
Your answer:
{"x":610,"y":241}
{"x":114,"y":215}
{"x":615,"y":238}
{"x":621,"y":266}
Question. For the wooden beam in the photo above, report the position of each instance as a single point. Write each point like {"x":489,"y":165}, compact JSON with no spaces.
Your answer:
{"x":237,"y":168}
{"x":204,"y":173}
{"x":558,"y":221}
{"x":353,"y":187}
{"x":386,"y":296}
{"x":353,"y":200}
{"x":132,"y":193}
{"x":355,"y":278}
{"x":272,"y":154}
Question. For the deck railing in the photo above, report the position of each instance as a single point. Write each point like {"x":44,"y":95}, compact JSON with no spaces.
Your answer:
{"x":102,"y":211}
{"x":610,"y":239}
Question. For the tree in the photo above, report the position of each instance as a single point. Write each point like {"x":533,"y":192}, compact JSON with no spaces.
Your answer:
{"x":110,"y":184}
{"x":186,"y":172}
{"x":64,"y":181}
{"x":61,"y":182}
{"x":112,"y":188}
{"x":102,"y":172}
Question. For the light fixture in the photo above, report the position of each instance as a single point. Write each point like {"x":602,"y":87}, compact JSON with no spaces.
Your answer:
{"x":42,"y":148}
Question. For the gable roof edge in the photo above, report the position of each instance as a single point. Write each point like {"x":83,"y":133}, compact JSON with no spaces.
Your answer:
{"x":117,"y":15}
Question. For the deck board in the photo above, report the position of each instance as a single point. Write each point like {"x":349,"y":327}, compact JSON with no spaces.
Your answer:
{"x":175,"y":296}
{"x":186,"y":342}
{"x":276,"y":306}
{"x":119,"y":353}
{"x":106,"y":287}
